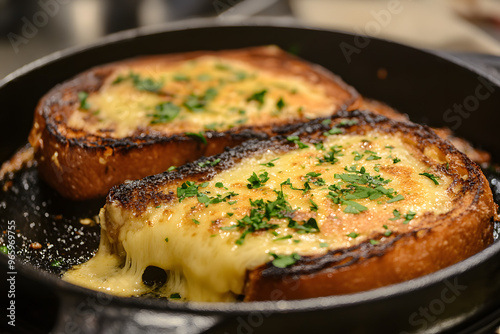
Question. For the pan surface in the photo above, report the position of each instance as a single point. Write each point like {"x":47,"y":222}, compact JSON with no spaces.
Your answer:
{"x":432,"y":88}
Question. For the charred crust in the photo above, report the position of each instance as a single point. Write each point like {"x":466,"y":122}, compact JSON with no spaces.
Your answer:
{"x":334,"y":259}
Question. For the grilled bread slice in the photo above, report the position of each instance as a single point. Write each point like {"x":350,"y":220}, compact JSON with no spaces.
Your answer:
{"x":138,"y":117}
{"x":344,"y":204}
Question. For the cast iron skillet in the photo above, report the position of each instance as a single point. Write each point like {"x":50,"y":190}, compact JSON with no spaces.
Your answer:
{"x":463,"y":297}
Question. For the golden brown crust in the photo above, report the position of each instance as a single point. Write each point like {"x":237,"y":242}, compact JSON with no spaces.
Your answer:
{"x":437,"y":242}
{"x":82,"y":165}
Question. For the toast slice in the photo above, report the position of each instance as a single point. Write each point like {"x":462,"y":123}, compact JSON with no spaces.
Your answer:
{"x":343,"y":204}
{"x":134,"y":118}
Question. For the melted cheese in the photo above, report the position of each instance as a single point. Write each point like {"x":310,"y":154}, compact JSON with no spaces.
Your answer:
{"x":120,"y":109}
{"x":204,"y":262}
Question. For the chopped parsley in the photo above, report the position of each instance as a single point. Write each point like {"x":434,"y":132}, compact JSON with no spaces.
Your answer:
{"x":280,"y":104}
{"x":261,"y":214}
{"x":56,"y":263}
{"x":374,"y":242}
{"x":396,"y":198}
{"x":323,"y":244}
{"x":208,"y":162}
{"x":165,"y":112}
{"x":319,"y":146}
{"x":4,"y":249}
{"x":196,"y":221}
{"x":270,"y":163}
{"x":82,"y":97}
{"x":333,"y":131}
{"x":171,"y":168}
{"x":181,"y":77}
{"x":258,"y":97}
{"x":166,"y":239}
{"x":353,"y":235}
{"x":257,"y":181}
{"x":296,"y":140}
{"x":313,"y":177}
{"x":357,"y":155}
{"x":204,"y":77}
{"x":408,"y":217}
{"x":387,"y":232}
{"x":288,"y":236}
{"x":142,"y":84}
{"x":330,"y":156}
{"x":198,"y":136}
{"x":283,"y":261}
{"x":348,"y":122}
{"x":432,"y":177}
{"x":205,"y":199}
{"x":314,"y":206}
{"x":359,"y":185}
{"x":197,"y":103}
{"x":396,"y":160}
{"x":219,"y":185}
{"x":187,"y":189}
{"x":175,"y":296}
{"x":372,"y":155}
{"x":310,"y":226}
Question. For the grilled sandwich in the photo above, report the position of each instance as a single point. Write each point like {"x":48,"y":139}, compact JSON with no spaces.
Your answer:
{"x":342,"y":204}
{"x":134,"y":118}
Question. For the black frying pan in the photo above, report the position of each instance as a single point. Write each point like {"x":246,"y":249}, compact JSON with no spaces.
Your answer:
{"x":426,"y":85}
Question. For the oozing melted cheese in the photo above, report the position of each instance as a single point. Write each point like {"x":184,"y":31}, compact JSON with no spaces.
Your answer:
{"x":204,"y":262}
{"x":119,"y":109}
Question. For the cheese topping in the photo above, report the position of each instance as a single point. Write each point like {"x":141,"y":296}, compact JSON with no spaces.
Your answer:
{"x":325,"y":196}
{"x":207,"y":93}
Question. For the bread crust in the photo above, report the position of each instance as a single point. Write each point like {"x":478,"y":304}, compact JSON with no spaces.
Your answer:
{"x":82,"y":165}
{"x":437,"y":242}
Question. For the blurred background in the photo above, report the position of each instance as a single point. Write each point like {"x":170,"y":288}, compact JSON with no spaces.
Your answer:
{"x":30,"y":29}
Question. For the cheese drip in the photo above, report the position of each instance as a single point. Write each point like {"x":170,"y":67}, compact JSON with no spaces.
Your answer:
{"x":204,"y":262}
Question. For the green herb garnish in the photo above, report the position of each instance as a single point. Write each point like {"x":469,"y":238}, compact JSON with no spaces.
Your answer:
{"x":296,"y":140}
{"x":396,"y":198}
{"x":197,"y":103}
{"x":175,"y":296}
{"x":257,"y":181}
{"x":258,"y":97}
{"x":181,"y":77}
{"x":56,"y":263}
{"x":283,"y":261}
{"x":283,"y":238}
{"x":314,"y":206}
{"x":82,"y":97}
{"x":198,"y":136}
{"x":165,"y":112}
{"x":353,"y":235}
{"x":270,"y":163}
{"x":280,"y":104}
